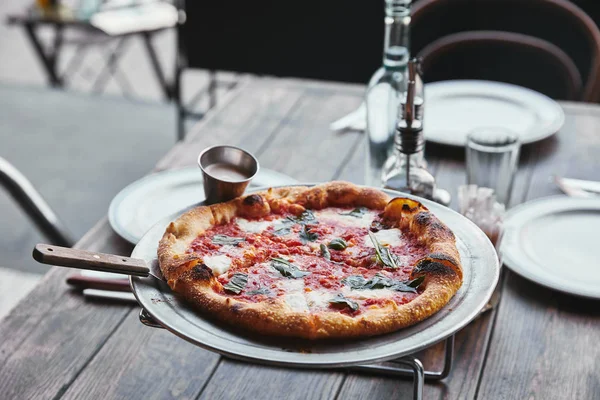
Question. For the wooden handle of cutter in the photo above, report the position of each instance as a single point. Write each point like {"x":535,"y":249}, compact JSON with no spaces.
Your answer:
{"x":75,"y":258}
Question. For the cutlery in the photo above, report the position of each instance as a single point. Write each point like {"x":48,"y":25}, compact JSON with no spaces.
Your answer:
{"x":87,"y":282}
{"x":354,"y":121}
{"x":110,"y":295}
{"x":75,"y":258}
{"x":590,"y":186}
{"x":569,"y":189}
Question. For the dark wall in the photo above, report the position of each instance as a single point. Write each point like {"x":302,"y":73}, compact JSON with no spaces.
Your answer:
{"x":338,"y":40}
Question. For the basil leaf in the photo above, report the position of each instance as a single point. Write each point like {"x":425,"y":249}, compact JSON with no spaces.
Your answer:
{"x":260,"y":290}
{"x":355,"y":281}
{"x":384,"y":256}
{"x":287,"y":269}
{"x":340,"y":299}
{"x":325,"y":251}
{"x":237,"y":283}
{"x":415,"y":283}
{"x":377,"y":226}
{"x":284,"y":230}
{"x":357,"y":212}
{"x":227,"y":240}
{"x":380,"y":281}
{"x":307,"y":236}
{"x":307,"y":217}
{"x":338,"y":244}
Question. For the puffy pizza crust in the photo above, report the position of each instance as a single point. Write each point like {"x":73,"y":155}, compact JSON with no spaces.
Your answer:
{"x":186,"y":273}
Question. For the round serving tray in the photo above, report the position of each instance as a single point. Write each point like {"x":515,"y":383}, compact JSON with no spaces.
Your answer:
{"x":481,"y":271}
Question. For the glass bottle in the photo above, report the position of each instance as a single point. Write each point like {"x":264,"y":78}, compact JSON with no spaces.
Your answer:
{"x":405,"y":170}
{"x":385,"y":87}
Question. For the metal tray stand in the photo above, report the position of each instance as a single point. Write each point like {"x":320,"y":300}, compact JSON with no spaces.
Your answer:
{"x":162,"y":308}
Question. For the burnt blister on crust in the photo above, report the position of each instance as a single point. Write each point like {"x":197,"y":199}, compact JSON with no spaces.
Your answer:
{"x":253,"y":200}
{"x":431,"y":267}
{"x":408,"y":205}
{"x":444,"y":257}
{"x":426,"y":220}
{"x":201,"y":272}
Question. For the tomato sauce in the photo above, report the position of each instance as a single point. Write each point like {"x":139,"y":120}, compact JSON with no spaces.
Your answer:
{"x":284,"y":239}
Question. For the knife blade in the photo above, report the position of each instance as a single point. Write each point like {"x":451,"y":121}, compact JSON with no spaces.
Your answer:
{"x":110,"y":295}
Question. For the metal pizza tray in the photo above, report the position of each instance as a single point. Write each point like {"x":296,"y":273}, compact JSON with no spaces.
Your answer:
{"x":481,"y":271}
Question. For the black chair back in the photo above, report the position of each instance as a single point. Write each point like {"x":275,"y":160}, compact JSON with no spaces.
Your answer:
{"x":334,"y":40}
{"x":505,"y":57}
{"x":556,"y":21}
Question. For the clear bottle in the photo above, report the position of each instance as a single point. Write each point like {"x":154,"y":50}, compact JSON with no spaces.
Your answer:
{"x":385,"y":87}
{"x":405,"y":170}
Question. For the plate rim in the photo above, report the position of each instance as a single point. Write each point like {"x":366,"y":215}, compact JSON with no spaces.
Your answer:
{"x":510,"y":255}
{"x":552,"y":129}
{"x":483,"y":295}
{"x":120,"y":197}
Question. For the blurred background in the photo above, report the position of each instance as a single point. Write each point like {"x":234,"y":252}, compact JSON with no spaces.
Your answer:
{"x":93,"y":93}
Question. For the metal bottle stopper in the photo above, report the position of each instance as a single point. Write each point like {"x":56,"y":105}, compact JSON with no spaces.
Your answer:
{"x":410,"y":141}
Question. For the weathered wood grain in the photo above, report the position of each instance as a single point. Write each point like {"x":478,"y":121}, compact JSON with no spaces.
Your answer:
{"x":50,"y":336}
{"x":315,"y":157}
{"x":447,"y":164}
{"x":250,"y":115}
{"x":144,"y":363}
{"x":253,"y":116}
{"x":544,"y":343}
{"x":237,"y":380}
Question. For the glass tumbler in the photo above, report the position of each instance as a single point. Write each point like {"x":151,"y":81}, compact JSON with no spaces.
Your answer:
{"x":492,"y":156}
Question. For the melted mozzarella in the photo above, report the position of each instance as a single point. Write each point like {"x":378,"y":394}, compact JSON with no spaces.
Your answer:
{"x":252,"y":226}
{"x":367,"y":294}
{"x":296,"y":301}
{"x":292,"y":285}
{"x":219,"y":264}
{"x":346,"y":220}
{"x":319,"y":298}
{"x":232,"y":251}
{"x":389,"y":237}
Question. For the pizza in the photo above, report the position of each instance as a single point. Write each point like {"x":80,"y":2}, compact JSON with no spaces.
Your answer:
{"x":329,"y":261}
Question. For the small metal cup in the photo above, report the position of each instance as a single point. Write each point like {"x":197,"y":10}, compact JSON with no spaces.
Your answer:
{"x":217,"y":189}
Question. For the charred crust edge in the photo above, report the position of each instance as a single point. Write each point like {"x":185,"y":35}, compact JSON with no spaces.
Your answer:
{"x":443,"y":257}
{"x":200,"y":272}
{"x":253,"y":200}
{"x":428,"y":266}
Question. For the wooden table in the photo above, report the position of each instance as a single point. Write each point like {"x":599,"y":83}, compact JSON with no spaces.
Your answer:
{"x":536,"y":344}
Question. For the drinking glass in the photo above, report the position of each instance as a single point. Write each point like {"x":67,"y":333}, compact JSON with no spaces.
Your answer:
{"x":492,"y":155}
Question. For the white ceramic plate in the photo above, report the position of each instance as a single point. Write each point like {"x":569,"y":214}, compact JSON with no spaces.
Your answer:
{"x":137,"y":207}
{"x":454,"y":108}
{"x":554,"y":241}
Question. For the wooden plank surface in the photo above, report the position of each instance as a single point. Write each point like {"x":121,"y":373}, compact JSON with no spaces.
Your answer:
{"x":470,"y":343}
{"x":317,"y":155}
{"x":253,"y":117}
{"x":50,"y":336}
{"x":57,"y":345}
{"x":545,"y":344}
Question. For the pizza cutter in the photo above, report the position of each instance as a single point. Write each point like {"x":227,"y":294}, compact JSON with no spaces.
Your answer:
{"x":82,"y":259}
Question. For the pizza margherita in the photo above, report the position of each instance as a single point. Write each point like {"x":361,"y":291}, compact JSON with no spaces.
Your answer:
{"x":329,"y":261}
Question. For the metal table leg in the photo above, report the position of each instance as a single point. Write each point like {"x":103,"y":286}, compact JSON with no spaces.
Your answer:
{"x":109,"y":68}
{"x":158,"y":71}
{"x":48,"y":59}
